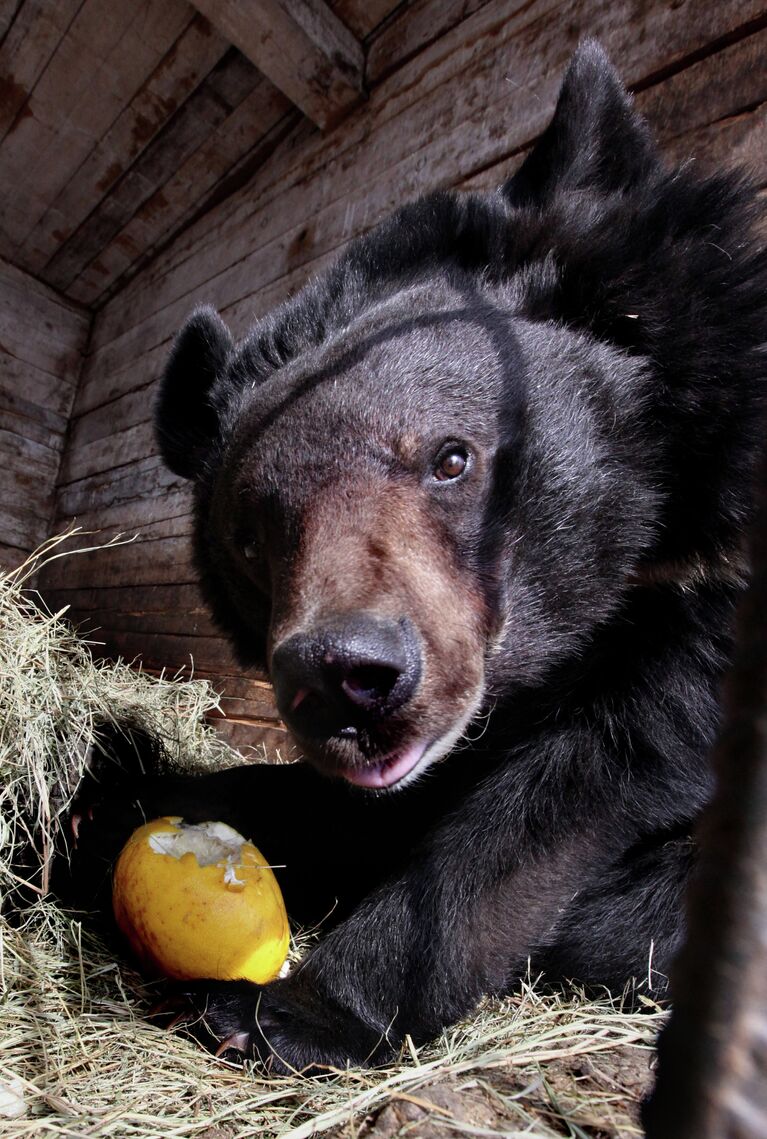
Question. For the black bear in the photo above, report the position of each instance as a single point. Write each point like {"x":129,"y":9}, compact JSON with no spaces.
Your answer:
{"x":475,"y":498}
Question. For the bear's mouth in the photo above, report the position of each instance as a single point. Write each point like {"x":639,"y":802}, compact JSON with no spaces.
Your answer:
{"x":392,"y":769}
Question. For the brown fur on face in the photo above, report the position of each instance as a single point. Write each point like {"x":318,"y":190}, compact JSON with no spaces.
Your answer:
{"x":369,"y":545}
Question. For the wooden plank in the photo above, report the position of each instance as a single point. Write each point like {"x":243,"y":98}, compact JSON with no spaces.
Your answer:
{"x":24,"y":417}
{"x":306,"y":154}
{"x":109,"y":49}
{"x":246,"y":137}
{"x":12,"y":556}
{"x":710,"y":74}
{"x":148,"y":601}
{"x":32,"y":459}
{"x":166,"y":540}
{"x":230,"y":81}
{"x":712,"y":1053}
{"x":123,"y":411}
{"x":300,"y":46}
{"x":737,"y":141}
{"x":363,"y":17}
{"x":20,"y":537}
{"x":141,"y":623}
{"x":742,"y":138}
{"x":106,"y":376}
{"x":133,"y":515}
{"x":48,"y":301}
{"x":29,"y":345}
{"x":711,"y":113}
{"x":111,"y":489}
{"x":25,"y":508}
{"x":166,"y":650}
{"x":27,"y":504}
{"x":225,"y":162}
{"x":8,"y":12}
{"x":245,"y":697}
{"x":177,"y":74}
{"x":41,"y":388}
{"x":163,"y":561}
{"x":414,"y":27}
{"x":453,"y":130}
{"x":31,"y":37}
{"x":34,"y":403}
{"x":253,"y":742}
{"x":112,"y":372}
{"x":38,"y":329}
{"x":108,"y":453}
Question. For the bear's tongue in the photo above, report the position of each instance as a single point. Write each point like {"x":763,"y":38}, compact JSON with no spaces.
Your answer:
{"x":388,"y":771}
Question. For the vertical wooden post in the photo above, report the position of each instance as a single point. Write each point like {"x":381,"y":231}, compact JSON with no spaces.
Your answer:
{"x":712,"y":1068}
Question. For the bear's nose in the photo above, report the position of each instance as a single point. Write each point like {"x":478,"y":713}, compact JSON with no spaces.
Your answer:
{"x":350,"y":669}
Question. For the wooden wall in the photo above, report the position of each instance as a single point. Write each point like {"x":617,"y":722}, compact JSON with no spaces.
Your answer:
{"x":42,"y":340}
{"x":458,"y":90}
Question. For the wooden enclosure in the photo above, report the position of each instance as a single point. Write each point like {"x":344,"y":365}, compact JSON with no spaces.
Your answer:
{"x":155,"y":154}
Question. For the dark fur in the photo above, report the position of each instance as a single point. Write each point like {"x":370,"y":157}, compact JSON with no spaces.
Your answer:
{"x":593,"y":334}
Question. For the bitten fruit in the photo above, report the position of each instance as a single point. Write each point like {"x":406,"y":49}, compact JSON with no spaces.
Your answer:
{"x":197,"y":901}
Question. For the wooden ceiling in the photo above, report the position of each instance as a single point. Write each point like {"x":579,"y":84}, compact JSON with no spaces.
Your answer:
{"x":121,"y":121}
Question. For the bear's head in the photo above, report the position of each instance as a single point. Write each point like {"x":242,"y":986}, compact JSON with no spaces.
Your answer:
{"x":427,"y":479}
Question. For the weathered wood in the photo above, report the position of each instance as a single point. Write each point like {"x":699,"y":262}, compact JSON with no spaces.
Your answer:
{"x":109,"y":490}
{"x":109,"y":452}
{"x":219,"y":240}
{"x":38,"y":328}
{"x":164,"y":560}
{"x":12,"y":556}
{"x":41,"y":345}
{"x":227,"y":160}
{"x":247,"y":135}
{"x":230,"y":81}
{"x":21,"y":529}
{"x":740,"y":140}
{"x":8,"y":12}
{"x":247,"y":698}
{"x":27,"y":416}
{"x":446,"y":61}
{"x":300,"y":46}
{"x":32,"y":36}
{"x":26,"y":496}
{"x":255,"y":742}
{"x":412,"y":29}
{"x":113,"y":372}
{"x":135,"y":514}
{"x":177,"y":74}
{"x":106,"y":55}
{"x":167,"y":650}
{"x":454,"y":129}
{"x":30,"y":427}
{"x":363,"y":17}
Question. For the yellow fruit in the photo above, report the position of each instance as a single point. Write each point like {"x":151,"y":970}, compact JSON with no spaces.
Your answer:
{"x":197,"y":900}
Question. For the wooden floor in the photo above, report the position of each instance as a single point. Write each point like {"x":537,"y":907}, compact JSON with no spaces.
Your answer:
{"x":458,"y":91}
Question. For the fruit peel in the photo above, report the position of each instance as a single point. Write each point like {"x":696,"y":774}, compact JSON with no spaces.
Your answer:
{"x":197,"y":901}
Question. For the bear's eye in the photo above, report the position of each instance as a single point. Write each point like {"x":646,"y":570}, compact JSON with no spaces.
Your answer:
{"x":451,"y":464}
{"x":250,"y":550}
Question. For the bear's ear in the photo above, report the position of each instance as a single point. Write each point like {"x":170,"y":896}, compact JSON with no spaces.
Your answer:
{"x":595,"y":141}
{"x":186,"y":419}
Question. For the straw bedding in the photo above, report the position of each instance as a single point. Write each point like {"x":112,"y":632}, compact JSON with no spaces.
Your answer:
{"x":77,"y":1057}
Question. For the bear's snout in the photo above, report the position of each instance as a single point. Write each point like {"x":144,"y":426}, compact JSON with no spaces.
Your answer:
{"x":346,"y":674}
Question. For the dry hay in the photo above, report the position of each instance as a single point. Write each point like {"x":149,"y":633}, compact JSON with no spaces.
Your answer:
{"x":78,"y":1059}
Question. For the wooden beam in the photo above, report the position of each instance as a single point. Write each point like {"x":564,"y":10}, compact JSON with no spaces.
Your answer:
{"x":712,"y":1055}
{"x":301,"y":46}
